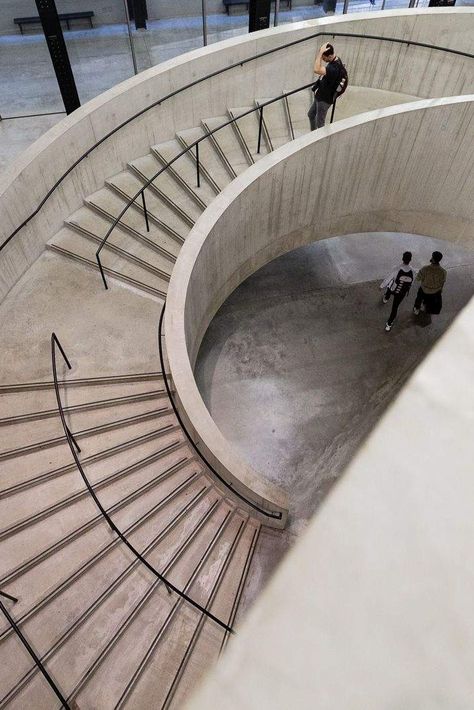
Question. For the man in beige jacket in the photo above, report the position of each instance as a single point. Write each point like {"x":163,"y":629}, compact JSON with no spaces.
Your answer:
{"x":432,"y":277}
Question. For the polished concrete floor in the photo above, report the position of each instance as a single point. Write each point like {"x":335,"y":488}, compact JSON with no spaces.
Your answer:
{"x":296,"y":367}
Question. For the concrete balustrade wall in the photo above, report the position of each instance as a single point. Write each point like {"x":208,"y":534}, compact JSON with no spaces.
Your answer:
{"x":381,"y":65}
{"x":374,"y":172}
{"x":373,"y":607}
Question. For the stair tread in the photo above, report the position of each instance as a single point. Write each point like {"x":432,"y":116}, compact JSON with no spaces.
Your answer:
{"x":229,"y":145}
{"x":185,"y":167}
{"x":68,"y":240}
{"x":276,"y":121}
{"x":90,"y":222}
{"x":111,"y":200}
{"x":208,"y":155}
{"x":248,"y":126}
{"x":146,"y":167}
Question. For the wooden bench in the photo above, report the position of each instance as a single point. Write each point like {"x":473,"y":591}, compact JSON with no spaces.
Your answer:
{"x":228,"y":3}
{"x":63,"y":17}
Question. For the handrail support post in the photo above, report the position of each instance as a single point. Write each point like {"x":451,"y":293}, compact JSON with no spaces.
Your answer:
{"x":198,"y":170}
{"x":260,"y":126}
{"x":145,"y":211}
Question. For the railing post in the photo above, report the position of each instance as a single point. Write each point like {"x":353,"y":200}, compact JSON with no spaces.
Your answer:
{"x":73,"y":440}
{"x":346,"y":7}
{"x":333,"y":110}
{"x":198,"y":170}
{"x":260,"y":126}
{"x":8,"y":596}
{"x":101,"y":271}
{"x":145,"y":211}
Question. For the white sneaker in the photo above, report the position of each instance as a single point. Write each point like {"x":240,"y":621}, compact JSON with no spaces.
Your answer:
{"x":385,"y":299}
{"x":388,"y":327}
{"x":416,"y":311}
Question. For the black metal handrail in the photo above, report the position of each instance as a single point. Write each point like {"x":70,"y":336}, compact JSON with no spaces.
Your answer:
{"x":217,"y":72}
{"x":275,"y":515}
{"x":32,"y":653}
{"x":73,"y":447}
{"x":185,"y":151}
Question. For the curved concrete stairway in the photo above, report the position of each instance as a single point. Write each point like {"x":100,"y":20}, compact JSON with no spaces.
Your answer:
{"x":144,"y":259}
{"x":105,"y":627}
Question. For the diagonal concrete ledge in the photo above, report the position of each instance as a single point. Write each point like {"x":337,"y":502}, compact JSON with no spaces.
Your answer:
{"x":380,"y":174}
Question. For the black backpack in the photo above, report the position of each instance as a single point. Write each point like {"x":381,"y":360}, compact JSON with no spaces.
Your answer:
{"x":342,"y":84}
{"x":343,"y":81}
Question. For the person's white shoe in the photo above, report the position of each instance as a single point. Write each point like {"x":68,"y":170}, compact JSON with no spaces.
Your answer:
{"x":385,"y":299}
{"x":388,"y":327}
{"x":416,"y":311}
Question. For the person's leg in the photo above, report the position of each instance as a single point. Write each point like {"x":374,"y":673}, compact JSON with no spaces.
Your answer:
{"x":312,"y":115}
{"x":321,"y":110}
{"x":418,"y":301}
{"x":397,"y":299}
{"x":386,"y":296}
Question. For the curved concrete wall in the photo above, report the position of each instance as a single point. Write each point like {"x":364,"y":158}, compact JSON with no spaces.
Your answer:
{"x":395,"y":67}
{"x":372,"y":609}
{"x":380,"y":174}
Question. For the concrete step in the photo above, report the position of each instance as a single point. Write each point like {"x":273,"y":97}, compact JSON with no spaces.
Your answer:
{"x":246,"y":129}
{"x":59,"y":567}
{"x":276,"y":122}
{"x":156,"y":671}
{"x":212,"y":164}
{"x":77,"y":383}
{"x":95,"y":227}
{"x":27,"y":506}
{"x":184,"y":171}
{"x":149,"y":617}
{"x":358,"y":99}
{"x":114,"y":584}
{"x":111,"y":200}
{"x":122,"y":497}
{"x":207,"y":640}
{"x":47,"y":433}
{"x":298,"y":105}
{"x":96,"y":572}
{"x":143,"y":265}
{"x":169,"y":190}
{"x":40,"y":464}
{"x":65,"y":245}
{"x":227,"y":144}
{"x":87,"y":405}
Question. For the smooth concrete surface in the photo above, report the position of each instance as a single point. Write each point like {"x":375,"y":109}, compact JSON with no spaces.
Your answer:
{"x":92,"y":324}
{"x":384,"y":182}
{"x":387,"y":67}
{"x":296,"y":367}
{"x":17,"y":134}
{"x":372,"y":610}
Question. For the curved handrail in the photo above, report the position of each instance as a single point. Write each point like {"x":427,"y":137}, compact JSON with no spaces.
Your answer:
{"x":275,"y":515}
{"x":34,"y":656}
{"x":186,"y":150}
{"x":240,"y":63}
{"x":73,"y":446}
{"x":207,"y":134}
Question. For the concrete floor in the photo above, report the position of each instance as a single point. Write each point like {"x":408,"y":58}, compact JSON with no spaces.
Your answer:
{"x":296,"y":367}
{"x":58,"y":295}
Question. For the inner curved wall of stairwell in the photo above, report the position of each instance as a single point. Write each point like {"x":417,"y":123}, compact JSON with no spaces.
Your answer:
{"x":417,"y":71}
{"x":386,"y":176}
